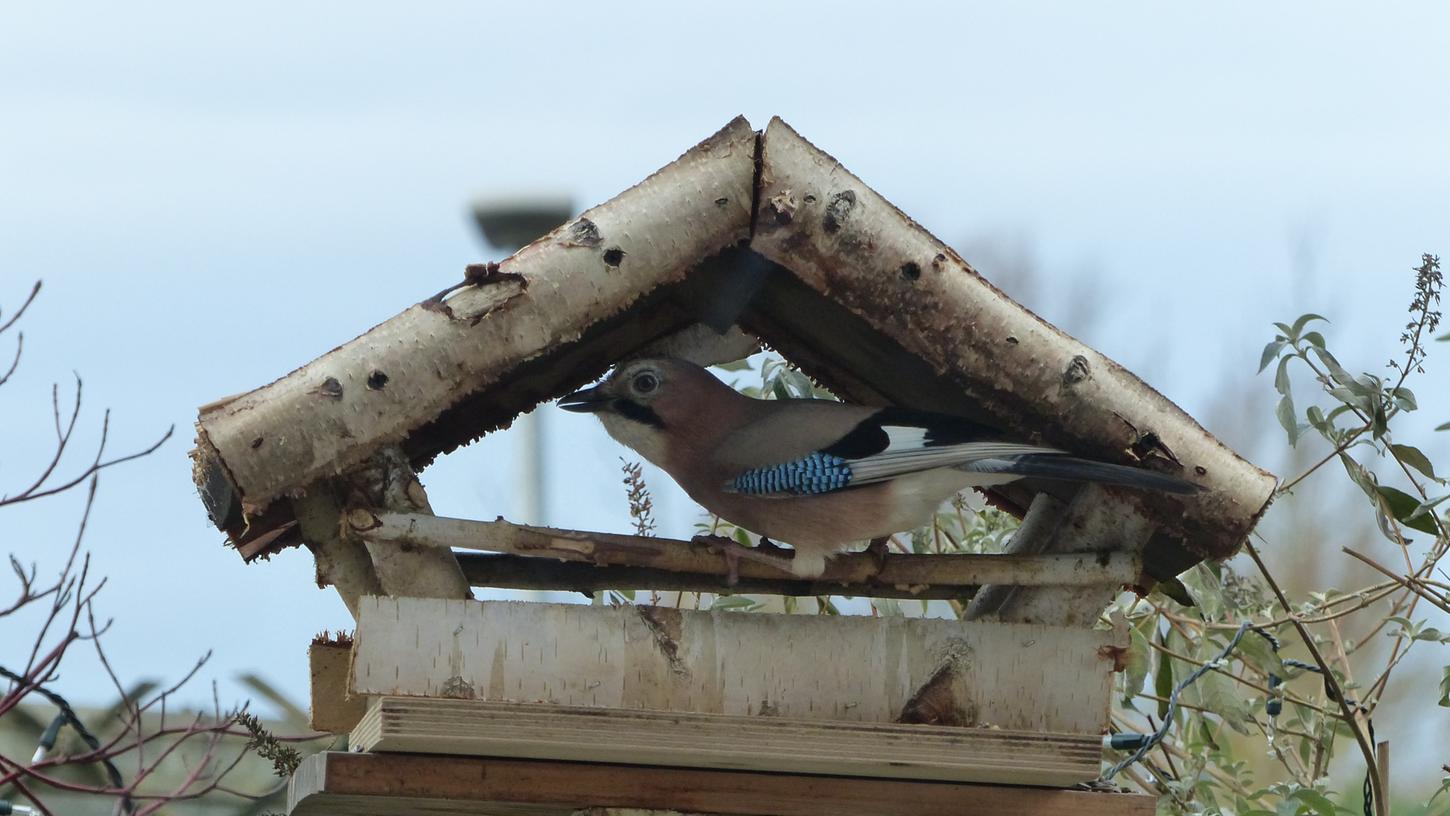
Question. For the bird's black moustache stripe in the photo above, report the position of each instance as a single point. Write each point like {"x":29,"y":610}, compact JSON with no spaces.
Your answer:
{"x":644,"y":414}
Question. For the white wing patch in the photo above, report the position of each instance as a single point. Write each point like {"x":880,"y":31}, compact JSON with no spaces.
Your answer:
{"x":908,"y":452}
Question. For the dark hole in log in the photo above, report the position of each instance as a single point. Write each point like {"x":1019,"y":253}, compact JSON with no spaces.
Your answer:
{"x":377,"y":380}
{"x":910,"y":270}
{"x":256,"y":443}
{"x":613,"y":256}
{"x":721,"y":201}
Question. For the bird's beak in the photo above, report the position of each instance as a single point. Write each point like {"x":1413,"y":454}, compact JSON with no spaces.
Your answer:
{"x":586,"y":401}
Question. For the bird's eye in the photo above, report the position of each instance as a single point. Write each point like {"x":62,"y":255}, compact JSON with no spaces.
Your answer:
{"x":645,"y":382}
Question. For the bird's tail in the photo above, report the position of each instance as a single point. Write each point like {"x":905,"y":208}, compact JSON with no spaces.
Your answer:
{"x":1057,"y":466}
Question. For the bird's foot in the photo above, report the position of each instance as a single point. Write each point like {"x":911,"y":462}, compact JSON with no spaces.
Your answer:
{"x":732,"y":551}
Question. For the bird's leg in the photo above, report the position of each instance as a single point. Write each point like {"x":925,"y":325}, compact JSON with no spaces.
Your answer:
{"x":733,"y":551}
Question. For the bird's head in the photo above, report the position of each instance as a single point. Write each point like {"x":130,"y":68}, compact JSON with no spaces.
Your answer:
{"x":643,"y":401}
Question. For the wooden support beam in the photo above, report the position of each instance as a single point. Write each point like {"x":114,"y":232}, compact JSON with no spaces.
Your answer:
{"x":841,"y":669}
{"x":341,"y":784}
{"x":1031,"y":538}
{"x":389,"y":481}
{"x":1096,"y":521}
{"x":342,"y":560}
{"x":530,"y":731}
{"x":852,"y":573}
{"x":544,"y":574}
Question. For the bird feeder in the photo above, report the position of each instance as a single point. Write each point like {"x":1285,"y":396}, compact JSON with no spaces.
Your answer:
{"x":463,"y":706}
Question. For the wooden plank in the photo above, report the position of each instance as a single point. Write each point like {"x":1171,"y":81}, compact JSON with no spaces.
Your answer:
{"x":332,"y":709}
{"x":851,"y":668}
{"x":420,"y":725}
{"x":339,"y":784}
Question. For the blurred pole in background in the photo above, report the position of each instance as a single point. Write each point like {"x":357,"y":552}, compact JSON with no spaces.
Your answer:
{"x":507,"y":222}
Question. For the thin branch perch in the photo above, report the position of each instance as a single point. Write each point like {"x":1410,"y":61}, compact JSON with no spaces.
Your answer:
{"x":698,"y":566}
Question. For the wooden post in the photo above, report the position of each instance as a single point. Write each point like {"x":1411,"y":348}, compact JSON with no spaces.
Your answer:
{"x":342,"y":560}
{"x":388,"y":481}
{"x":1096,"y":521}
{"x":1039,"y":524}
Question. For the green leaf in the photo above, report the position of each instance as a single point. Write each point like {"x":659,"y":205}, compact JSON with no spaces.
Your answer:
{"x":1427,"y":506}
{"x":1405,"y":398}
{"x":1445,"y":688}
{"x":1351,"y":399}
{"x":1287,"y":419}
{"x":1335,"y":369}
{"x":1443,"y":427}
{"x":1359,"y":476}
{"x":1415,"y":459}
{"x":743,"y":603}
{"x":1257,"y":651}
{"x":1304,"y":320}
{"x":1163,"y":680}
{"x":1314,"y":338}
{"x":1401,"y":506}
{"x":743,"y":364}
{"x":1135,"y":662}
{"x":1318,"y":803}
{"x":1281,"y":377}
{"x":1270,"y":352}
{"x":1174,"y":588}
{"x":888,"y":607}
{"x":1379,"y":421}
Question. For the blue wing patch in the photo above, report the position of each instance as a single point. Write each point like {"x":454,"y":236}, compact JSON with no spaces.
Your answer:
{"x":810,"y":475}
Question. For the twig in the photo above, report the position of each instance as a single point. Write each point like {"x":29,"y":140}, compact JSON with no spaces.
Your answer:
{"x":1351,"y":716}
{"x":1408,"y":582}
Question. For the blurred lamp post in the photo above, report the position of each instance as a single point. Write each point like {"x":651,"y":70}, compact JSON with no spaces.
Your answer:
{"x":507,"y":223}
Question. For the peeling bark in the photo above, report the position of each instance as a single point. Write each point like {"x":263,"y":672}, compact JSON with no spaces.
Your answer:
{"x":848,"y":244}
{"x":396,"y":382}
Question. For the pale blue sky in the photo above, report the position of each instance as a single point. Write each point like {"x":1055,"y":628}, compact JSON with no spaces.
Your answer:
{"x":214,"y":197}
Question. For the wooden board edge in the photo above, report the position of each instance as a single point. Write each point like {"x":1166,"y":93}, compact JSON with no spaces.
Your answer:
{"x":396,"y":784}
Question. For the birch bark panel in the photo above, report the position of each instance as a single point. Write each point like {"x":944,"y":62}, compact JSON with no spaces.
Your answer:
{"x":852,"y":669}
{"x":851,"y":245}
{"x":375,"y":390}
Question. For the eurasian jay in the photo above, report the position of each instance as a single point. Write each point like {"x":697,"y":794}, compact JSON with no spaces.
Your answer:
{"x":817,"y":474}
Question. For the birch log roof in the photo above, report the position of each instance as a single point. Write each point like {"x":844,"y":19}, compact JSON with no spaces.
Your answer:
{"x":760,"y":230}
